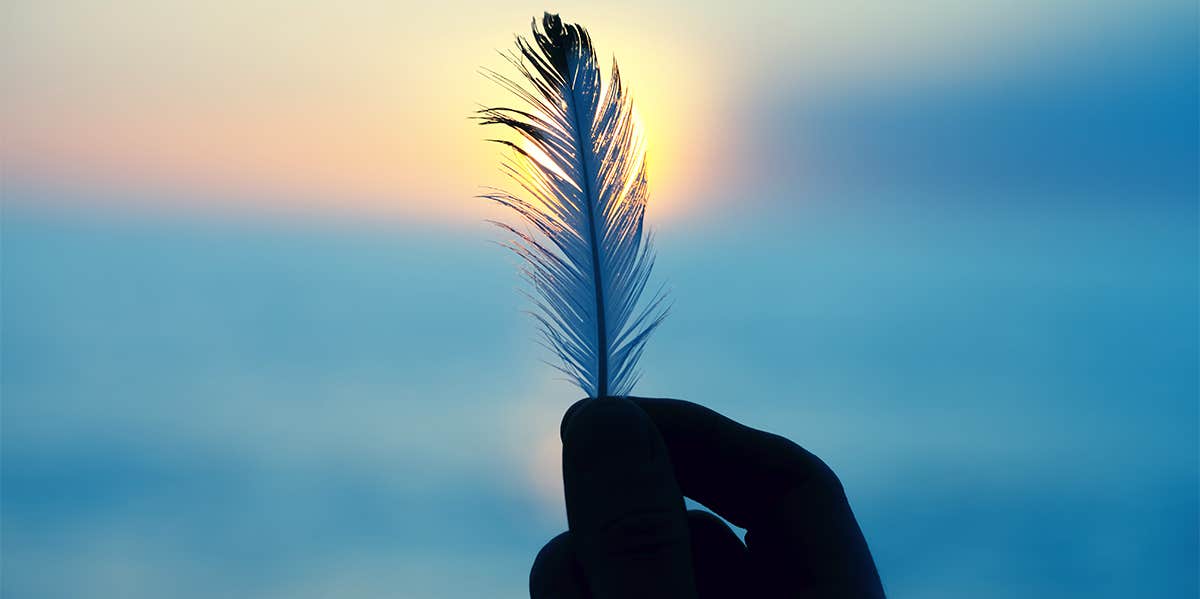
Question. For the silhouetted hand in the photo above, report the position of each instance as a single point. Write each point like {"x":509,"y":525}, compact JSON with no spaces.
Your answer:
{"x":628,"y":462}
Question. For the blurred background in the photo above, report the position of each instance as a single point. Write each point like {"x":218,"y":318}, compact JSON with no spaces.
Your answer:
{"x":257,"y":342}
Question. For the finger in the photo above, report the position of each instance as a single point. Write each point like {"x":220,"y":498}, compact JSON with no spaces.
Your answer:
{"x":800,"y":529}
{"x":624,"y":507}
{"x":719,"y":559}
{"x":556,"y":573}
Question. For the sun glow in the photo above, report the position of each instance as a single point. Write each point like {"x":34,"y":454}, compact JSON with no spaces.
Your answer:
{"x":250,"y":111}
{"x":537,"y":155}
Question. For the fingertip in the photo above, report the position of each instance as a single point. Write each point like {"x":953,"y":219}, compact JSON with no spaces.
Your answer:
{"x":562,"y":427}
{"x":608,"y":433}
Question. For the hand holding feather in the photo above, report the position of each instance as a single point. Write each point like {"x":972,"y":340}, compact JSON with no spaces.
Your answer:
{"x":628,"y":463}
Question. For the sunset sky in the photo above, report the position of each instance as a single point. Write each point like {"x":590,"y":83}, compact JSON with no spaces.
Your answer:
{"x":363,"y":106}
{"x":257,"y":341}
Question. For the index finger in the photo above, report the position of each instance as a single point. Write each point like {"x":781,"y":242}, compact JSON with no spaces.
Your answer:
{"x":625,"y":511}
{"x":800,"y":529}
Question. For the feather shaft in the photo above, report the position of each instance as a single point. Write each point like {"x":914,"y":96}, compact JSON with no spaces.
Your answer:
{"x":580,"y":161}
{"x":594,"y":242}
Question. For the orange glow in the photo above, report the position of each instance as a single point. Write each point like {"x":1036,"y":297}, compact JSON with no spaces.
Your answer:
{"x":240,"y":105}
{"x":542,"y":158}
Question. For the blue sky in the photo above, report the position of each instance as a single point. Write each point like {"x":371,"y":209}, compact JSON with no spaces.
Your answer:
{"x":229,"y":409}
{"x":968,"y":282}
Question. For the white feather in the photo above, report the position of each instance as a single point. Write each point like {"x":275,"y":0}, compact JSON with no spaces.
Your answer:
{"x":581,"y":167}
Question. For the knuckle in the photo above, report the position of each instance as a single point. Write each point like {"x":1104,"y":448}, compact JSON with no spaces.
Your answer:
{"x":643,"y":534}
{"x":823,"y":477}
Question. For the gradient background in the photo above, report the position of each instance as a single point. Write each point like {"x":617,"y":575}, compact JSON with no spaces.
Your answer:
{"x":256,"y":342}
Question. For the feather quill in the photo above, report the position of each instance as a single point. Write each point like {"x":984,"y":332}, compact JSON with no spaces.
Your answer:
{"x":580,"y":164}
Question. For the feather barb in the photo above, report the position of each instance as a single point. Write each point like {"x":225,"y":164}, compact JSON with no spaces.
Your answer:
{"x":581,"y":170}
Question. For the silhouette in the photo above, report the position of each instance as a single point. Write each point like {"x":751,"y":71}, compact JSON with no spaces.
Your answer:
{"x":628,"y":463}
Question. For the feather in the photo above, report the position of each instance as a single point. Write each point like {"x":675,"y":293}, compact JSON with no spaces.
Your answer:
{"x":581,"y":166}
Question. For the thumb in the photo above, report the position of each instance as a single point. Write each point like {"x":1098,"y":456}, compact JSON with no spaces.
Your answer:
{"x":624,"y":507}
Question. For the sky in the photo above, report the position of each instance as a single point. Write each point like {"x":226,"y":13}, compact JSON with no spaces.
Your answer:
{"x":255,"y":339}
{"x":363,"y":106}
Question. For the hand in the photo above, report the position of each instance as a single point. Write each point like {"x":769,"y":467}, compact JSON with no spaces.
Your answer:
{"x":628,"y":463}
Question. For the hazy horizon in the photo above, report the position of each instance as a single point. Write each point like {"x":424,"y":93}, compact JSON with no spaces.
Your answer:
{"x":257,"y":342}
